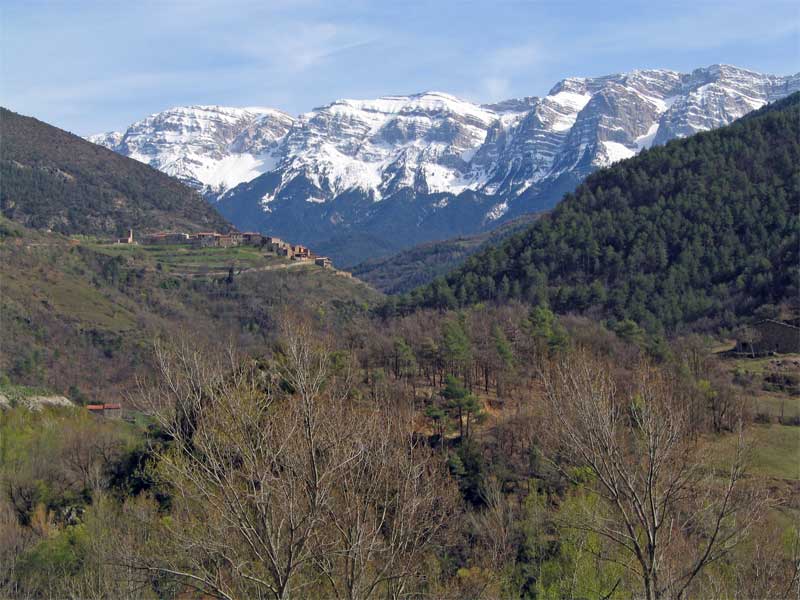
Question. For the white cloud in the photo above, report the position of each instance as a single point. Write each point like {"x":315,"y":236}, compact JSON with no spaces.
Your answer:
{"x":496,"y":88}
{"x":499,"y":69}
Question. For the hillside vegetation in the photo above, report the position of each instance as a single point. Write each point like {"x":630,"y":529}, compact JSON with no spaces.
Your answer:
{"x":700,"y":233}
{"x":482,"y":453}
{"x":58,"y":181}
{"x":82,"y":315}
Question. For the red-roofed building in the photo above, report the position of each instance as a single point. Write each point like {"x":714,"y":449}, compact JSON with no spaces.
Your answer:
{"x":111,"y":410}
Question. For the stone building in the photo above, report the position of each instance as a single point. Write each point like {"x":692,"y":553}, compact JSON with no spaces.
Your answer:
{"x":167,"y":237}
{"x":301,"y":252}
{"x":251,"y":238}
{"x":206,"y":239}
{"x":770,"y":336}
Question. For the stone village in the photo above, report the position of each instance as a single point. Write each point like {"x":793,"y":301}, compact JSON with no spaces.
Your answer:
{"x":228,"y":240}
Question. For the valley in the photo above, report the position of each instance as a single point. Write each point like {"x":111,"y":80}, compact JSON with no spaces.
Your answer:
{"x":412,"y":268}
{"x":406,"y":347}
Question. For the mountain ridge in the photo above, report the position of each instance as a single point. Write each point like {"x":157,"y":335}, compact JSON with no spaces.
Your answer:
{"x":426,"y":166}
{"x":419,"y":265}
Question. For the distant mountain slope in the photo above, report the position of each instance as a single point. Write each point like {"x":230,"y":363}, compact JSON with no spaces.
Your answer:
{"x":422,"y":264}
{"x":365,"y":178}
{"x":701,"y":232}
{"x":52,"y":179}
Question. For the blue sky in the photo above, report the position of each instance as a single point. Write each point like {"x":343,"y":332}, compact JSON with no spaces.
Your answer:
{"x":97,"y":66}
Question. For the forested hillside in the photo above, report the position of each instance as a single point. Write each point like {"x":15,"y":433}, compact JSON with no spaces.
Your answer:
{"x":700,"y":232}
{"x":483,"y":453}
{"x":55,"y":180}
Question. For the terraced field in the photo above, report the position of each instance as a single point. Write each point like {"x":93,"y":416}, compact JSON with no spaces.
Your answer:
{"x":187,"y":261}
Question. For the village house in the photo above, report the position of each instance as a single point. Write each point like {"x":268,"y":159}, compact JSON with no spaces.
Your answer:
{"x":251,"y":238}
{"x":206,"y":239}
{"x":770,"y":336}
{"x":323,"y":261}
{"x":227,"y":241}
{"x":277,"y":245}
{"x":108,"y":410}
{"x":167,"y":237}
{"x":301,"y":253}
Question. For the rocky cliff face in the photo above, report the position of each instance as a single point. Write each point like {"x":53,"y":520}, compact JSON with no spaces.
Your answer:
{"x":364,"y":176}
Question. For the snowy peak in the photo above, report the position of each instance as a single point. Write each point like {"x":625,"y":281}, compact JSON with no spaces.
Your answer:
{"x":425,"y":103}
{"x":206,"y":146}
{"x":717,"y":95}
{"x":382,"y":145}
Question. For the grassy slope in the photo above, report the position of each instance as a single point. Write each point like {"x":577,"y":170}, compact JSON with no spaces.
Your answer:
{"x":776,"y":451}
{"x":773,"y":460}
{"x":773,"y":448}
{"x":773,"y":451}
{"x":85,"y":314}
{"x":185,"y":260}
{"x":55,"y":180}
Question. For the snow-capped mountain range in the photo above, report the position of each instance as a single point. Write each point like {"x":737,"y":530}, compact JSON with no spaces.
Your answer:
{"x":372,"y":176}
{"x":208,"y":147}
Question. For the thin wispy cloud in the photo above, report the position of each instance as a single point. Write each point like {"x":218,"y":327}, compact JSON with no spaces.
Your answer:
{"x":299,"y":46}
{"x":514,"y":58}
{"x":502,"y":66}
{"x":91,"y":66}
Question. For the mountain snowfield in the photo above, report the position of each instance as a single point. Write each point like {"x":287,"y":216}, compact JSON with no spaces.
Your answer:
{"x":366,"y":177}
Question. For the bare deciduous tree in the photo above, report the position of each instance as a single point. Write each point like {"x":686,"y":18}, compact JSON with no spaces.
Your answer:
{"x":668,"y":514}
{"x":88,"y":451}
{"x":494,"y":527}
{"x":390,"y":504}
{"x":282,"y":483}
